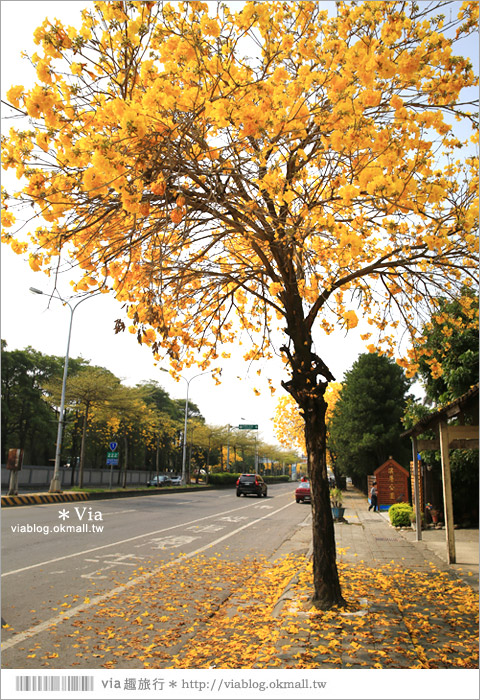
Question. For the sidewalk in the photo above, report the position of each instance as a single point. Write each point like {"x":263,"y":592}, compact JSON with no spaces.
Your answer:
{"x":369,"y":536}
{"x":407,"y":608}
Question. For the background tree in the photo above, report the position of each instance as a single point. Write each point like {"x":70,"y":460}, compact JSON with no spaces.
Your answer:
{"x":90,"y":388}
{"x":288,"y":423}
{"x":28,"y":422}
{"x":448,"y":363}
{"x":267,"y":169}
{"x":332,"y":394}
{"x":366,"y":423}
{"x":447,"y":369}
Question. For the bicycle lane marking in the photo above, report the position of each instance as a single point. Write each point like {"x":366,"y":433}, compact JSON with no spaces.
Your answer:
{"x":119,"y":542}
{"x":43,"y":626}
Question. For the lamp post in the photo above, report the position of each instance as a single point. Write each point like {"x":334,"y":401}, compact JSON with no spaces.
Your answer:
{"x":184,"y":451}
{"x":228,"y":447}
{"x":56,"y":482}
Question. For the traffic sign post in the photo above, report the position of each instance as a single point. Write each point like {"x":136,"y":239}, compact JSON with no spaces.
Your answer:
{"x":248,"y":426}
{"x":112,"y":458}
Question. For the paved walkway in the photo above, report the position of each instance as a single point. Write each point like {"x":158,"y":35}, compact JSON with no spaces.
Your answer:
{"x":369,"y":536}
{"x":407,"y":607}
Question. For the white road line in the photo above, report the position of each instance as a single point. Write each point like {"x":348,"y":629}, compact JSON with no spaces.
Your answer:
{"x":114,"y":544}
{"x":43,"y":626}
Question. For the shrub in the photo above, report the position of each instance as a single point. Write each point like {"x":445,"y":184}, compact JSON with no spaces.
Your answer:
{"x":336,"y":498}
{"x":413,"y":517}
{"x":223,"y":479}
{"x":400,"y":514}
{"x":230,"y":479}
{"x":276,"y":479}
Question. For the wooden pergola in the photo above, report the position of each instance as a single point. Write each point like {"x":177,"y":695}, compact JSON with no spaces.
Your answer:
{"x":463,"y":435}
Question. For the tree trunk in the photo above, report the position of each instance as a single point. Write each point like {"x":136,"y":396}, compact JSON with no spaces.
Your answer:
{"x":82,"y":447}
{"x":125,"y":465}
{"x":157,"y":461}
{"x":326,"y":584}
{"x":308,"y":390}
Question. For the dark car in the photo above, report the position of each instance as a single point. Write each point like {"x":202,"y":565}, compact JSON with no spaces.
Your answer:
{"x":251,"y":484}
{"x":302,"y":493}
{"x":159,"y":481}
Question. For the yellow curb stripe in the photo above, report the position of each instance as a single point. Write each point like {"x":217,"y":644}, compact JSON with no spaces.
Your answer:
{"x":33,"y":499}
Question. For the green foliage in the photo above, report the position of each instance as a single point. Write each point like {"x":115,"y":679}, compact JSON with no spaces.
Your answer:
{"x":223,"y":479}
{"x":282,"y":478}
{"x":230,"y":478}
{"x":144,"y":420}
{"x":400,"y":514}
{"x":28,"y":422}
{"x":155,"y":395}
{"x":366,"y":423}
{"x":451,"y":338}
{"x":336,"y":498}
{"x":413,"y":517}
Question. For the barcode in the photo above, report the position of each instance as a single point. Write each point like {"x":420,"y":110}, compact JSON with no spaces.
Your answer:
{"x":51,"y":683}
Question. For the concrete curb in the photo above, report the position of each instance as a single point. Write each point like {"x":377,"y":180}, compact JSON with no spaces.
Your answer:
{"x":36,"y":498}
{"x":300,"y":542}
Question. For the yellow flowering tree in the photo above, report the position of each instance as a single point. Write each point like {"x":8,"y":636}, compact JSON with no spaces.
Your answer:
{"x":288,"y":423}
{"x":230,"y":171}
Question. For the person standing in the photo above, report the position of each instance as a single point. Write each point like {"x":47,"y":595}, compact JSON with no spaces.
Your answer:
{"x":373,"y":497}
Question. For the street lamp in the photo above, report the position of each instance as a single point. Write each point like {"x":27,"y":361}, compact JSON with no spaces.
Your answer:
{"x":228,"y":447}
{"x":56,"y":483}
{"x":184,"y":452}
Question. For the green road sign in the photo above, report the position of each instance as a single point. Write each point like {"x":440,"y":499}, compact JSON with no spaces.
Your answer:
{"x":248,"y":427}
{"x":112,"y":455}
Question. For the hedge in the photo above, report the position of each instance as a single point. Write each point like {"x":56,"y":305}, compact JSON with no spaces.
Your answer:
{"x":222,"y":479}
{"x":230,"y":479}
{"x":400,"y":514}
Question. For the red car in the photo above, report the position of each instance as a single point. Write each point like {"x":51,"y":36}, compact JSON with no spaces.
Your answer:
{"x":302,"y":493}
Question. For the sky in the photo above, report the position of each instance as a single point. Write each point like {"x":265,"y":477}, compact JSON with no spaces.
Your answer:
{"x":37,"y":321}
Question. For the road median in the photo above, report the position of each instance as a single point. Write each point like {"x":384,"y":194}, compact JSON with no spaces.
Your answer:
{"x":29,"y":499}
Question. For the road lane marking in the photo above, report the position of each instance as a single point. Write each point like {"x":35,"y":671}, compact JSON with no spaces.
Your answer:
{"x":114,"y":544}
{"x":118,"y":559}
{"x":206,"y":528}
{"x":168,"y":542}
{"x":43,"y":626}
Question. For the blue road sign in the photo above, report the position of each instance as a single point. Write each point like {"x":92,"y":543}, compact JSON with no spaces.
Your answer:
{"x":113,"y":446}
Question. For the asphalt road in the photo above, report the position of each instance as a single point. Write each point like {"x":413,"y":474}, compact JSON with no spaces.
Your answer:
{"x":89,"y":548}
